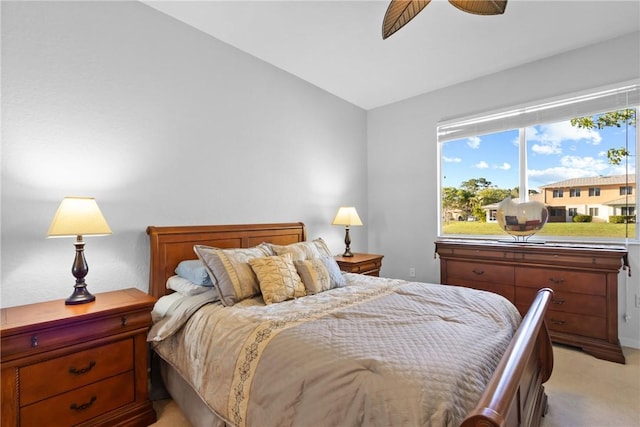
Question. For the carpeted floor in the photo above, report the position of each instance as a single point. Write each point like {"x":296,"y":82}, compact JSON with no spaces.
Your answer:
{"x":583,"y":392}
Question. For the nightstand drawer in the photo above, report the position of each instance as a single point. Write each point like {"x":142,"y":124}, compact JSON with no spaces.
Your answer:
{"x":46,"y":339}
{"x":562,"y":280}
{"x":366,"y":266}
{"x":81,"y":404}
{"x":369,"y":264}
{"x":75,"y":370}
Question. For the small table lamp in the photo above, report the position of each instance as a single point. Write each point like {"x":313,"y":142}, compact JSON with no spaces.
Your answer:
{"x":347,"y":216}
{"x":78,"y":216}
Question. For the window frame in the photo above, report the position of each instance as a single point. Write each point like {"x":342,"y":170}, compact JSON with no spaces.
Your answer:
{"x":592,"y":102}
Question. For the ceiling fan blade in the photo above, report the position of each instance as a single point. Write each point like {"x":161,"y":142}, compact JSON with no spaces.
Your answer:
{"x":481,"y":7}
{"x":399,"y":13}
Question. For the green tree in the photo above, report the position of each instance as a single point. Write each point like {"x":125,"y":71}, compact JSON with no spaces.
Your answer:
{"x":455,"y":199}
{"x":618,"y":118}
{"x":475,"y":184}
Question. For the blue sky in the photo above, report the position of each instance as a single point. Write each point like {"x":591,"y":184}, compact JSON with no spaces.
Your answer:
{"x":555,"y":152}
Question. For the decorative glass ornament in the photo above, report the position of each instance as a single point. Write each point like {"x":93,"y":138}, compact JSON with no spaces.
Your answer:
{"x":521,"y":220}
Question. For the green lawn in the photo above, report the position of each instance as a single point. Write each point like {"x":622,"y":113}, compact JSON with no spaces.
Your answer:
{"x":577,"y":229}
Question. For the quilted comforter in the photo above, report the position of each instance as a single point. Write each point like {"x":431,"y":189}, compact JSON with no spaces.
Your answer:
{"x":377,"y":352}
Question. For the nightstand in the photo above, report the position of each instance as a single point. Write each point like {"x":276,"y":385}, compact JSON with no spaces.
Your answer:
{"x":77,"y":364}
{"x":369,"y":264}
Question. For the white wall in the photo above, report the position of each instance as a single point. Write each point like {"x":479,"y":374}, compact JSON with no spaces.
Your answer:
{"x":402,"y":153}
{"x":163,"y":125}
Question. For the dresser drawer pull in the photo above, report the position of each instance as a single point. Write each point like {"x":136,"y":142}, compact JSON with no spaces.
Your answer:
{"x":478,"y":272}
{"x":83,"y":370}
{"x":124,"y":320}
{"x":557,"y":322}
{"x":34,"y":341}
{"x":84,"y":406}
{"x":556,"y":281}
{"x":557,"y":301}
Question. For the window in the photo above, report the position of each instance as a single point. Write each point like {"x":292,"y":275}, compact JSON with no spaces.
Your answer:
{"x":585,"y":143}
{"x":624,"y":191}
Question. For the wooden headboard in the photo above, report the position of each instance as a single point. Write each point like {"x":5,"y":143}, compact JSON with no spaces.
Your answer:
{"x":170,"y":245}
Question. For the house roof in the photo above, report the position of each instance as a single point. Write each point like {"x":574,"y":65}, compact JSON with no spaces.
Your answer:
{"x":623,"y":201}
{"x":593,"y":180}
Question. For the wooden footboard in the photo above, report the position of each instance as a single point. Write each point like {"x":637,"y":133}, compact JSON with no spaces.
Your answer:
{"x":515,"y":394}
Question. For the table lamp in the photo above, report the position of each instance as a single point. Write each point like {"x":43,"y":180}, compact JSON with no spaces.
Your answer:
{"x":79,"y":216}
{"x":347,"y":216}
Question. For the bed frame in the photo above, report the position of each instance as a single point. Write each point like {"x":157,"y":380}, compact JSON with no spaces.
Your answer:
{"x":515,"y":394}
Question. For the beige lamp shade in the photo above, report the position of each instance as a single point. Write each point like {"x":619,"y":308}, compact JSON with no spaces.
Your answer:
{"x":78,"y":216}
{"x":347,"y":216}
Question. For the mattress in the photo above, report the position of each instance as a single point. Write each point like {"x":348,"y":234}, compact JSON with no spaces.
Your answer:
{"x":376,"y":352}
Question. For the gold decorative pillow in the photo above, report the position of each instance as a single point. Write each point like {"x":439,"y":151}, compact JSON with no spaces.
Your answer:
{"x":304,"y":250}
{"x":278,"y":278}
{"x":319,"y":274}
{"x":230,"y":270}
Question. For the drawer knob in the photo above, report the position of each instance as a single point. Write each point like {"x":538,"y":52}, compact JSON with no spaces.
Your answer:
{"x":555,"y":281}
{"x":83,"y":370}
{"x":478,"y":272}
{"x":82,"y":407}
{"x":557,"y":301}
{"x":34,"y":341}
{"x":557,"y":322}
{"x":123,"y":319}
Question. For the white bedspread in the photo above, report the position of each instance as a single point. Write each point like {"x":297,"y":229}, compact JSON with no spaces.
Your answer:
{"x":377,"y":352}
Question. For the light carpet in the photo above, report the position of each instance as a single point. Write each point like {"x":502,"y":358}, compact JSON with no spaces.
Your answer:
{"x":583,"y":392}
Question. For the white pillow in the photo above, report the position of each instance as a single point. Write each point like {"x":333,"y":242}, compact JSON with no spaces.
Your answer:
{"x":184,"y":286}
{"x":162,"y":305}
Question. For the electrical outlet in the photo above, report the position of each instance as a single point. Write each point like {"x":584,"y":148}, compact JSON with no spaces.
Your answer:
{"x":637,"y":301}
{"x":412,"y":273}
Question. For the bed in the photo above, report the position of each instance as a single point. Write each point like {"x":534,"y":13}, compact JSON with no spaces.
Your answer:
{"x":279,"y":380}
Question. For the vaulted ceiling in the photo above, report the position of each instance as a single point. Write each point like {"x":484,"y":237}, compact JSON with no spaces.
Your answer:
{"x":337,"y":45}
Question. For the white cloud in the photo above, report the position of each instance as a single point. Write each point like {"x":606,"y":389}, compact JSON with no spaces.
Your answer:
{"x":505,"y":166}
{"x":451,"y":159}
{"x":473,"y":142}
{"x":482,"y":165}
{"x":570,"y":167}
{"x":549,"y":139}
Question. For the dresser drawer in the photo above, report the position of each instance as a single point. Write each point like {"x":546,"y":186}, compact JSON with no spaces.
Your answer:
{"x":575,"y":324}
{"x":81,"y":404}
{"x":46,"y":339}
{"x":587,"y":326}
{"x":561,"y":280}
{"x":55,"y":376}
{"x":567,"y":302}
{"x":463,"y":273}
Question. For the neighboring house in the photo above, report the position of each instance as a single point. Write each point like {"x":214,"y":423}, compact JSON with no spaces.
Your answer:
{"x":600,"y":197}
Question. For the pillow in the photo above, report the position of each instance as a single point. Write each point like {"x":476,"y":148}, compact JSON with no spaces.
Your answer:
{"x":194,"y":271}
{"x":320,"y":274}
{"x":184,"y":286}
{"x":304,"y":250}
{"x":278,"y":278}
{"x":230,"y":270}
{"x":161,"y":306}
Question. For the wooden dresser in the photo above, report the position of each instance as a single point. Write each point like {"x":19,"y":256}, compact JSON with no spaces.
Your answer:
{"x":369,"y":264}
{"x":584,"y":309}
{"x":77,"y":364}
